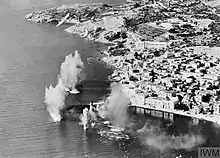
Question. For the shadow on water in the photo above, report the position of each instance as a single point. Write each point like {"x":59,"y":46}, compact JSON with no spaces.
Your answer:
{"x":89,"y":91}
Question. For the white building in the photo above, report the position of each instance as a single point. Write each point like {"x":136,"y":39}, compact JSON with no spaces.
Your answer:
{"x":148,"y":44}
{"x":169,"y":104}
{"x":135,"y":98}
{"x":155,"y":101}
{"x":216,"y":108}
{"x":160,"y":103}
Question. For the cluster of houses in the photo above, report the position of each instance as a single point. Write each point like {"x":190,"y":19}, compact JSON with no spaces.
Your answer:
{"x":171,"y":78}
{"x":166,"y":72}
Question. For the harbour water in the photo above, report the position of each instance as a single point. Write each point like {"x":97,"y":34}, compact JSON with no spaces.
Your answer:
{"x":30,"y":57}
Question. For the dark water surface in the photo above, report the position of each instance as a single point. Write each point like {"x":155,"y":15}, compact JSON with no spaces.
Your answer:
{"x":30,"y":57}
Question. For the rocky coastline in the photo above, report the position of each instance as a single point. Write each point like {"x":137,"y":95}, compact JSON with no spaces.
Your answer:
{"x":165,"y":54}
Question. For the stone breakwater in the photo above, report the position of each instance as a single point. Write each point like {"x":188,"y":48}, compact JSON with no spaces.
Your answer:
{"x":165,"y":54}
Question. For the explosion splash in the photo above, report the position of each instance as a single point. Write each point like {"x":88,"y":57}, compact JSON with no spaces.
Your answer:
{"x":55,"y":99}
{"x":71,"y":73}
{"x":116,"y":108}
{"x":84,"y":118}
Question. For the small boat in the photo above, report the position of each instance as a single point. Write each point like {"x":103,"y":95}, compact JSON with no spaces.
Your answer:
{"x":74,"y":91}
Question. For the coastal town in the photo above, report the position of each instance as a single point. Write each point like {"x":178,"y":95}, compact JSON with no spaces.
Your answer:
{"x":165,"y":54}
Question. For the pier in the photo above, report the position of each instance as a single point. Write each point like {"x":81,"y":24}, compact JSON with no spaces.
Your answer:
{"x":152,"y":112}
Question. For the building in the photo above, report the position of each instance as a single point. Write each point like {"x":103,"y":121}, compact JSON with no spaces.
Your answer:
{"x":216,"y":108}
{"x":204,"y":80}
{"x":196,"y":109}
{"x":155,"y":102}
{"x":212,"y":76}
{"x":135,"y":98}
{"x":165,"y":93}
{"x":160,"y":103}
{"x":168,"y":104}
{"x":141,"y":45}
{"x":205,"y":106}
{"x":150,"y":86}
{"x":168,"y":54}
{"x":167,"y":81}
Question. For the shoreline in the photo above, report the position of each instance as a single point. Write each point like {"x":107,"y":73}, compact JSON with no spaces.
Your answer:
{"x":154,"y":50}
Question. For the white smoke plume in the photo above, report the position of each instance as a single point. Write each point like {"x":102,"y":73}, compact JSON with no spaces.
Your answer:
{"x":55,"y":99}
{"x":84,"y":118}
{"x":88,"y":116}
{"x":71,"y":73}
{"x":154,"y":136}
{"x":116,"y":107}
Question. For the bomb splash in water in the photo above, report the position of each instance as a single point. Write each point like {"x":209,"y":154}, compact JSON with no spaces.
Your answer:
{"x":114,"y":109}
{"x":117,"y":106}
{"x":71,"y":73}
{"x":55,"y":99}
{"x":84,"y":118}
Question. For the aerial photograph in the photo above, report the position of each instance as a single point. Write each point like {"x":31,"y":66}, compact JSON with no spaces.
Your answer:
{"x":109,"y":78}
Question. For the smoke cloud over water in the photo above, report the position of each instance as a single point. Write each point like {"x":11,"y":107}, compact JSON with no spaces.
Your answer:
{"x":116,"y":107}
{"x":154,"y":136}
{"x":71,"y":73}
{"x":54,"y":99}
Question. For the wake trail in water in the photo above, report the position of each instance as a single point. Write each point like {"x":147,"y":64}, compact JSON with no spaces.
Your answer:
{"x":71,"y":74}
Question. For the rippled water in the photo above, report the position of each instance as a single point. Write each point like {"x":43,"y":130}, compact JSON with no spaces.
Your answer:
{"x":30,"y":57}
